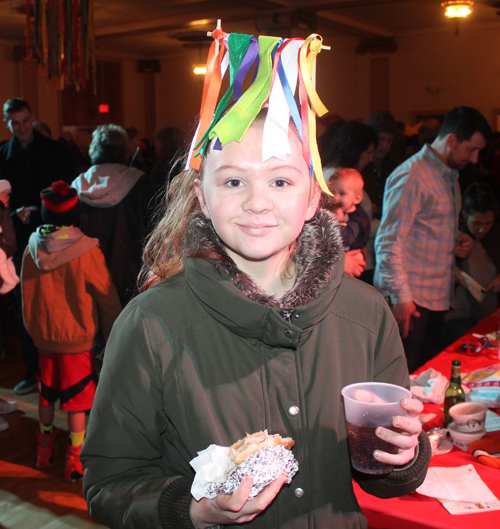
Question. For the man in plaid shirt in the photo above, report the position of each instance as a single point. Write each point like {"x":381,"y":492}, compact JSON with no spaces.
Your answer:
{"x":418,"y":238}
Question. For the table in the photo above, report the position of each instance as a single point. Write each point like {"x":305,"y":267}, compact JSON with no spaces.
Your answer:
{"x":415,"y":511}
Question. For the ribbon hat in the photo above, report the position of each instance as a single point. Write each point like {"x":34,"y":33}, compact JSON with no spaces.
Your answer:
{"x":283,"y":68}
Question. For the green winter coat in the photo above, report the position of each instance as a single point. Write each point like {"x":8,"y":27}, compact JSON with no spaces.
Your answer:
{"x":205,"y":357}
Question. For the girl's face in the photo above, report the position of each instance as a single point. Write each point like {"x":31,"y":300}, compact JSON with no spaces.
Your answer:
{"x":257,"y":208}
{"x":480,"y":223}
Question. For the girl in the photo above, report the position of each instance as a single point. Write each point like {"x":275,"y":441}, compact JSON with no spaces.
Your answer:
{"x":246,"y":323}
{"x":479,"y":208}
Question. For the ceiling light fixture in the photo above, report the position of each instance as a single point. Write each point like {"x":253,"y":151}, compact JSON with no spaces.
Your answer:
{"x":457,"y":9}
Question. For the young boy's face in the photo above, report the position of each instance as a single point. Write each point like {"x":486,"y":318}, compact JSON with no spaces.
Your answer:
{"x":346,"y":193}
{"x":4,"y":198}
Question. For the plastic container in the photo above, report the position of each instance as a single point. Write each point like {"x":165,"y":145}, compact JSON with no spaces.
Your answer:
{"x":369,"y":405}
{"x":462,"y":439}
{"x":469,"y":416}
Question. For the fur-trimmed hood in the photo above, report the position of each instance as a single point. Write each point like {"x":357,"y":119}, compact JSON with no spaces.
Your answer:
{"x":318,"y":255}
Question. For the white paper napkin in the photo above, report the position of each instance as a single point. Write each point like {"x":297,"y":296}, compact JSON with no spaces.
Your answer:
{"x":429,"y":386}
{"x":457,"y":484}
{"x":212,"y":465}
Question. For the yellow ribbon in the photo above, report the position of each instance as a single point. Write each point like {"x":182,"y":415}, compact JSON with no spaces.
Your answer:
{"x":313,"y":44}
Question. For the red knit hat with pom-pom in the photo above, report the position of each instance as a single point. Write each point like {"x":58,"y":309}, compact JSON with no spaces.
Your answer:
{"x":60,"y":204}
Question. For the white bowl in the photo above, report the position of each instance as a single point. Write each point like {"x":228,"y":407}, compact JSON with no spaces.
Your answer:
{"x":469,"y":416}
{"x":462,"y":439}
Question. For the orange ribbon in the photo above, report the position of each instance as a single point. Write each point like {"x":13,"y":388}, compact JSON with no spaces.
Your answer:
{"x":211,"y":90}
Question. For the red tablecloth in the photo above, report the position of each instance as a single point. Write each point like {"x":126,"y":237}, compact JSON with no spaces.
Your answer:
{"x":415,"y":511}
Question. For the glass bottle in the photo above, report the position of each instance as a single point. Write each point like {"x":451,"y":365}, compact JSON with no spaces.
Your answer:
{"x":454,"y":392}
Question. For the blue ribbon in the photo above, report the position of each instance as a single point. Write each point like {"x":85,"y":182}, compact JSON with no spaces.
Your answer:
{"x":292,"y":104}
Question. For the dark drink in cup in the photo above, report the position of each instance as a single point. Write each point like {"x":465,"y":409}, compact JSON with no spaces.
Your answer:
{"x":362,"y":443}
{"x":369,"y":405}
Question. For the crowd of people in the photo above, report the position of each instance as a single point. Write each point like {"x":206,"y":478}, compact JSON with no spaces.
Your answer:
{"x":415,"y":211}
{"x":73,"y":255}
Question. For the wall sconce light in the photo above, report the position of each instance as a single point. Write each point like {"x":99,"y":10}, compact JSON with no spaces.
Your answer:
{"x":199,"y":69}
{"x":457,"y":9}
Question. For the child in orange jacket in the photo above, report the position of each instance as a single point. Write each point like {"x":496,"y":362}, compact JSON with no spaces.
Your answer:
{"x":66,"y":290}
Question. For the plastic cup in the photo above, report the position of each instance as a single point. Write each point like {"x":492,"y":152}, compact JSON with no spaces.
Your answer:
{"x":369,"y":405}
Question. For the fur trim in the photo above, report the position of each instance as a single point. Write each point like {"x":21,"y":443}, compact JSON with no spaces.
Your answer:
{"x":318,"y":248}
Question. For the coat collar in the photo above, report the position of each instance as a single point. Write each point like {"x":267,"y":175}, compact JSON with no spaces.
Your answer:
{"x":14,"y":147}
{"x":231,"y":297}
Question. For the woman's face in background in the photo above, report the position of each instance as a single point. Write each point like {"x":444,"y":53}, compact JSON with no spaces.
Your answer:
{"x":365,"y":158}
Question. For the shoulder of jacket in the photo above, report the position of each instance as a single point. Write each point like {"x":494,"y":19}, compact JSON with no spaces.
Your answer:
{"x":361,"y":304}
{"x":165,"y":311}
{"x":170,"y":300}
{"x":5,"y":149}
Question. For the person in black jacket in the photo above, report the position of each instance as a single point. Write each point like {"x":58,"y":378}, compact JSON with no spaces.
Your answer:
{"x":116,"y":204}
{"x":30,"y":162}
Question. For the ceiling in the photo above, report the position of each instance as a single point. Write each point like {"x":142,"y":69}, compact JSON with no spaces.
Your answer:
{"x":152,"y":28}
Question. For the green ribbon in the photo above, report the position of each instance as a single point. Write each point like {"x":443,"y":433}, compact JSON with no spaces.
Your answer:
{"x":234,"y":124}
{"x":238,"y":45}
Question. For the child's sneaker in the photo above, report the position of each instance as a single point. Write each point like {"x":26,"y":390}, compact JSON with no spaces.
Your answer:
{"x":73,"y":469}
{"x":45,"y":449}
{"x":7,"y":406}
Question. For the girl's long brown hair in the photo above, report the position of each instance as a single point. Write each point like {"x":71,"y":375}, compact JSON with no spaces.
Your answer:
{"x":162,"y":256}
{"x":164,"y":250}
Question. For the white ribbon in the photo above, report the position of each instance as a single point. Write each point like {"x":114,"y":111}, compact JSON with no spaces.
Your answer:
{"x":275,"y":140}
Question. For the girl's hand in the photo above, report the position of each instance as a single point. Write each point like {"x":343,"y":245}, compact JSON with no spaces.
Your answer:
{"x":407,"y":440}
{"x":234,"y":509}
{"x":494,"y":286}
{"x":465,"y":246}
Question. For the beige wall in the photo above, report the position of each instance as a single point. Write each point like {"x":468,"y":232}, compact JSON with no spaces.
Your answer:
{"x":9,"y":81}
{"x":179,"y":91}
{"x":132,"y":96}
{"x":48,"y":104}
{"x":465,"y":70}
{"x":431,"y":70}
{"x":22,"y":80}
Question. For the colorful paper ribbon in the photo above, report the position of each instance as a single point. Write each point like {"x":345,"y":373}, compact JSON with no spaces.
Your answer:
{"x":61,"y":40}
{"x":241,"y":115}
{"x":280,"y":67}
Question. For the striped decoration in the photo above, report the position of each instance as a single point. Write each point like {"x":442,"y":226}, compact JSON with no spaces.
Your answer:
{"x":60,"y":38}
